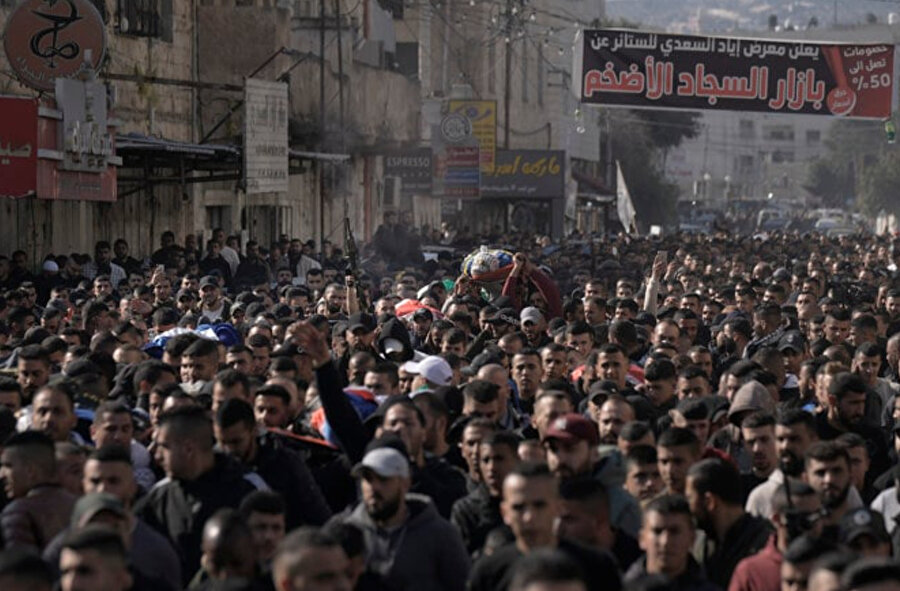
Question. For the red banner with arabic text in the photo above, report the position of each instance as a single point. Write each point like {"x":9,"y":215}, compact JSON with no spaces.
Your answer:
{"x":18,"y":146}
{"x":652,"y":70}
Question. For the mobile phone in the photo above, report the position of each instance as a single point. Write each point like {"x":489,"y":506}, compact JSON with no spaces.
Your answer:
{"x":160,"y":268}
{"x":663,"y":254}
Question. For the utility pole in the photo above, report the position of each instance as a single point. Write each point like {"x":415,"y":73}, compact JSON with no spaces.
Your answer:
{"x":340,"y":53}
{"x":507,"y":95}
{"x":321,"y":165}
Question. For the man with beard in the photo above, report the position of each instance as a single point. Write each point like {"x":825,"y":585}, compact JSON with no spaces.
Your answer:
{"x":827,"y":470}
{"x":571,"y":446}
{"x":845,"y":412}
{"x":478,"y":513}
{"x":408,"y":543}
{"x":794,"y":512}
{"x":360,"y":337}
{"x":795,"y":431}
{"x":335,"y":297}
{"x":713,"y":491}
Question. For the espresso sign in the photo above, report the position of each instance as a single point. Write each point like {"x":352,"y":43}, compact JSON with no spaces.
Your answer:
{"x":49,"y":39}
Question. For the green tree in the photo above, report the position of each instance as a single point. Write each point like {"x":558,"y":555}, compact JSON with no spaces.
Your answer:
{"x":879,"y":185}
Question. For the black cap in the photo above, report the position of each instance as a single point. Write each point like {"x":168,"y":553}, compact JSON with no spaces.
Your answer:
{"x":423,"y":313}
{"x":361,"y":320}
{"x":507,"y":315}
{"x":792,"y":339}
{"x":605,"y":388}
{"x":208,"y":280}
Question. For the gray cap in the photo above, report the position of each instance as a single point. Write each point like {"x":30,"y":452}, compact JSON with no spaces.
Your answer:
{"x":387,"y":462}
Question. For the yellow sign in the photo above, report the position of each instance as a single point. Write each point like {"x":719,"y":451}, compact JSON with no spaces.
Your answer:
{"x":483,"y":116}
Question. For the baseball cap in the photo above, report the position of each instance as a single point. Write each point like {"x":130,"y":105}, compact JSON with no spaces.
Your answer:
{"x":604,"y":388}
{"x":423,"y":313}
{"x":361,"y":320}
{"x":507,"y":315}
{"x":208,"y":280}
{"x":531,"y":314}
{"x":91,"y":504}
{"x":792,"y":339}
{"x":387,"y":462}
{"x":781,"y":274}
{"x":863,"y":522}
{"x":573,"y":427}
{"x":183,"y":293}
{"x":433,"y":368}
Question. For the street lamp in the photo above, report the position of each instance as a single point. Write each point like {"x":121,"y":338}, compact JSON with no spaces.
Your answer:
{"x":706,"y":180}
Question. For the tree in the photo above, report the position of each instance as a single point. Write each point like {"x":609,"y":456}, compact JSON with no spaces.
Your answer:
{"x":853,"y":148}
{"x":879,"y":184}
{"x":639,"y":151}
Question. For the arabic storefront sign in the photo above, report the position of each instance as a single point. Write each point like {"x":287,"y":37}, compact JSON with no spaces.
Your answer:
{"x":50,"y":39}
{"x":18,"y":146}
{"x":266,"y":136}
{"x":650,"y":70}
{"x":414,"y":168}
{"x":87,"y":144}
{"x":77,"y":160}
{"x":539,"y":174}
{"x":456,"y":159}
{"x":483,"y":116}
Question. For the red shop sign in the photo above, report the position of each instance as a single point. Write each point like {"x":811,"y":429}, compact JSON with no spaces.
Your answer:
{"x":50,"y":39}
{"x":18,"y":146}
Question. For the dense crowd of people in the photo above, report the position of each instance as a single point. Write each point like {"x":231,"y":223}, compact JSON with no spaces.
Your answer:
{"x":687,"y":413}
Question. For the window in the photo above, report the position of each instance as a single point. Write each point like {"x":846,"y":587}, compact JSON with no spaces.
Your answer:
{"x":779,"y":133}
{"x":746,"y":129}
{"x":813,"y":137}
{"x":745,"y":164}
{"x":779,"y":156}
{"x":140,"y":18}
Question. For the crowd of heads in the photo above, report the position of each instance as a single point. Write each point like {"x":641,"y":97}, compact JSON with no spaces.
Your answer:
{"x":687,"y":412}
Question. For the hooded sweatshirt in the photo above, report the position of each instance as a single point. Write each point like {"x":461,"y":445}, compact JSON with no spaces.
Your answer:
{"x":751,"y":397}
{"x":425,"y":553}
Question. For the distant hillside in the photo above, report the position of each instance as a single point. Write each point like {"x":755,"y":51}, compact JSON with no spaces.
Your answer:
{"x":691,"y":16}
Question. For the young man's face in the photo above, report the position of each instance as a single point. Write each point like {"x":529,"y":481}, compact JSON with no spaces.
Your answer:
{"x":643,"y":481}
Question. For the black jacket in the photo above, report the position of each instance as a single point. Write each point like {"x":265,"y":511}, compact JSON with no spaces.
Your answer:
{"x":286,"y":472}
{"x":440,"y":481}
{"x":178,"y":509}
{"x":692,"y":579}
{"x":747,"y":536}
{"x":475,"y":515}
{"x":494,"y":572}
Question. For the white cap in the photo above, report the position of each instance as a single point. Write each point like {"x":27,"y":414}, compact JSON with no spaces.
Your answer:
{"x":50,"y":266}
{"x":387,"y":462}
{"x":434,"y":369}
{"x":531,"y":314}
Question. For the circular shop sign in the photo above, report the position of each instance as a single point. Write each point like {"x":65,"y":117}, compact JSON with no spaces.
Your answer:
{"x":456,"y":127}
{"x":50,"y":39}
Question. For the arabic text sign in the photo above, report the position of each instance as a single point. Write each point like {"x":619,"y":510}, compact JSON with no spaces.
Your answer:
{"x":483,"y":116}
{"x":266,"y":136}
{"x":526,"y":173}
{"x":18,"y":146}
{"x":456,"y":159}
{"x":414,"y":169}
{"x":635,"y":69}
{"x":49,"y":39}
